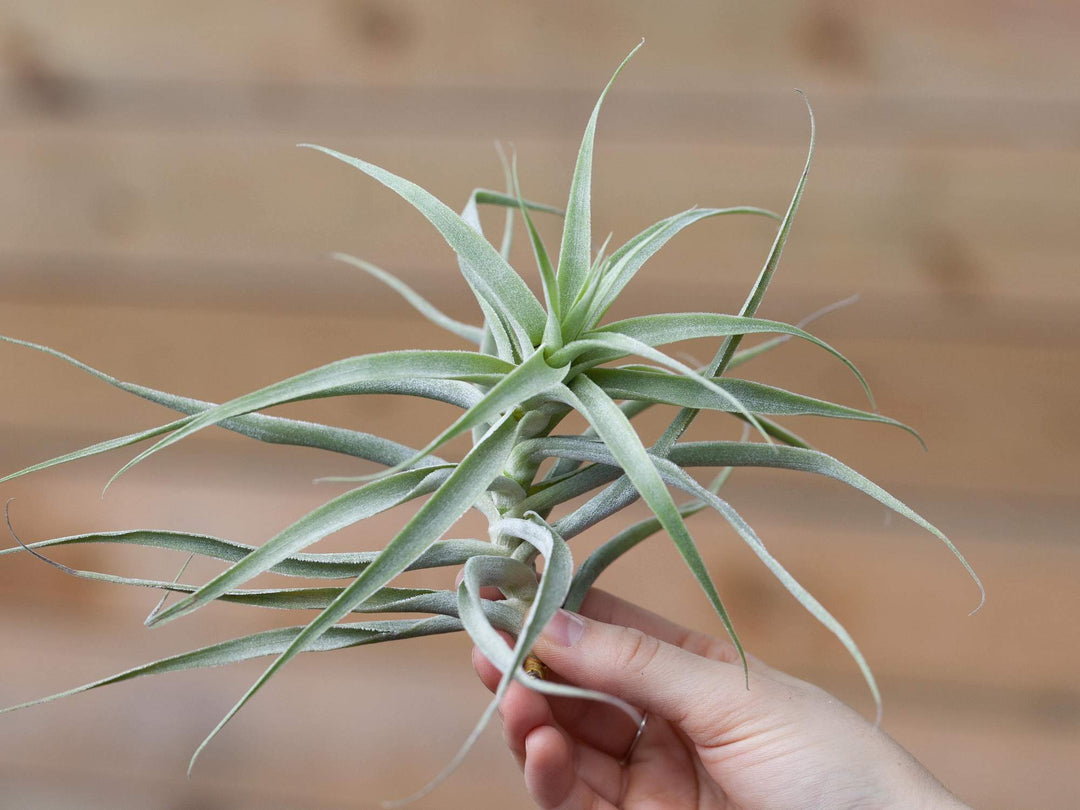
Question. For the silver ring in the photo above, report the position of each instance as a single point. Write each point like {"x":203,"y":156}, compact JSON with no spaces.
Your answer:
{"x":637,"y":738}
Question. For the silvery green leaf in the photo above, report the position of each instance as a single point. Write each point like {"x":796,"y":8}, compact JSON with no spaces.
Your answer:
{"x":454,"y":496}
{"x":680,"y":478}
{"x":531,"y":378}
{"x":269,"y":642}
{"x":615,"y":430}
{"x":552,"y":329}
{"x":597,"y":562}
{"x":746,"y":355}
{"x":616,"y":344}
{"x":508,"y":222}
{"x":547,"y":496}
{"x":757,"y":294}
{"x":554,"y":584}
{"x":740,"y":454}
{"x":468,"y":332}
{"x":628,"y":259}
{"x":656,"y":330}
{"x":385,"y":600}
{"x":576,"y":249}
{"x":481,"y":261}
{"x":340,"y":565}
{"x":496,"y":329}
{"x":453,"y":392}
{"x":659,"y":386}
{"x":486,"y":196}
{"x":95,"y":449}
{"x":483,"y":196}
{"x":727,"y":350}
{"x":337,"y":514}
{"x":383,"y":367}
{"x":271,"y":429}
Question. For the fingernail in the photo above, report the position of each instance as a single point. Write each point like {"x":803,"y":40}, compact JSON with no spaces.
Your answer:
{"x":564,"y":629}
{"x":460,"y":576}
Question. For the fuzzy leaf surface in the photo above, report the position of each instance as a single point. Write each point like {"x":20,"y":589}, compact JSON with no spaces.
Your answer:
{"x":342,"y":511}
{"x":656,"y":330}
{"x":378,"y":368}
{"x":575,"y":252}
{"x":620,"y":438}
{"x":269,"y":642}
{"x":745,"y":454}
{"x":657,"y":386}
{"x":465,"y":483}
{"x":338,"y":565}
{"x":499,"y":280}
{"x":628,"y":259}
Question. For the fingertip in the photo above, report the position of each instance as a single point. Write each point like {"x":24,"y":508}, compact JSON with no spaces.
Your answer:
{"x":489,"y":675}
{"x":522,"y":712}
{"x":549,"y":766}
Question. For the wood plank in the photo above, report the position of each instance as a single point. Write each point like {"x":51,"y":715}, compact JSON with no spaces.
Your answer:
{"x":997,"y":417}
{"x":900,"y":593}
{"x":147,"y":160}
{"x":320,"y":285}
{"x":965,"y":47}
{"x":991,"y":762}
{"x":750,"y":115}
{"x":952,"y":224}
{"x":967,"y":695}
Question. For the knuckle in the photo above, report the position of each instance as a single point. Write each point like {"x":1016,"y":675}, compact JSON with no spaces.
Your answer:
{"x":635,"y":651}
{"x":709,"y":647}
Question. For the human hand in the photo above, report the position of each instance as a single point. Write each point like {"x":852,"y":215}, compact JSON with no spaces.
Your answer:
{"x":708,"y":742}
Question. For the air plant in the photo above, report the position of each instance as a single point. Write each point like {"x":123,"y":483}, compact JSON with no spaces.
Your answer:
{"x":532,"y":363}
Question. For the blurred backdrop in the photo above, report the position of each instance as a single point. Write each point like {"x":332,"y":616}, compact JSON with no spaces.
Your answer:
{"x":157,"y":222}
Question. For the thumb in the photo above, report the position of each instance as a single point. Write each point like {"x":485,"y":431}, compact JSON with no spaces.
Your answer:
{"x":696,"y":690}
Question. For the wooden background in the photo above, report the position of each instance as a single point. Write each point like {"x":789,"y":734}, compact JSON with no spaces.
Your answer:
{"x":156,"y":221}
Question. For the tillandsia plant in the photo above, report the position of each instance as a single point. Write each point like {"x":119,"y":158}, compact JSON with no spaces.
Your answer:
{"x":532,"y":364}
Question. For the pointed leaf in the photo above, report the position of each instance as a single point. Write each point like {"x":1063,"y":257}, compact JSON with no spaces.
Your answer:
{"x":271,"y":429}
{"x":576,"y":249}
{"x":468,"y":332}
{"x":465,"y":483}
{"x":530,"y":379}
{"x":486,"y":196}
{"x":269,"y":642}
{"x":727,"y":349}
{"x":685,"y":481}
{"x":509,"y":292}
{"x":659,"y":386}
{"x":597,"y":562}
{"x":385,"y":600}
{"x":552,"y":332}
{"x":746,"y":355}
{"x":739,"y":454}
{"x":549,"y":495}
{"x":656,"y":330}
{"x":342,"y":511}
{"x":95,"y":449}
{"x":613,"y":345}
{"x":628,"y":259}
{"x":340,"y":565}
{"x":625,"y":446}
{"x":384,"y":367}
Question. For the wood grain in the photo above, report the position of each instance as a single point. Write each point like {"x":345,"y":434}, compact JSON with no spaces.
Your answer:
{"x":156,"y":221}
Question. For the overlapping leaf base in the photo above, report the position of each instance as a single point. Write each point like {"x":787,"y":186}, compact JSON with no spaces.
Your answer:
{"x":532,"y":363}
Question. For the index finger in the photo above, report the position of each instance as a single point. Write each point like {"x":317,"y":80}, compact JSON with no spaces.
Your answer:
{"x":605,"y":607}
